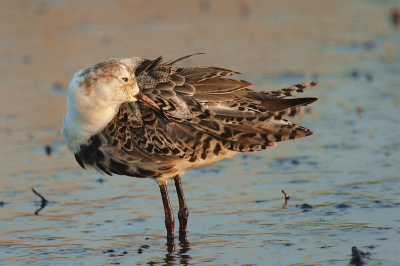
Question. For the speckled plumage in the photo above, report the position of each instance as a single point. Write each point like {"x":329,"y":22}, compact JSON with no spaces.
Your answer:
{"x":196,"y":116}
{"x":204,"y":117}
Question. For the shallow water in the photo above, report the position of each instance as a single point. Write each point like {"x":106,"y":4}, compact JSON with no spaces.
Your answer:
{"x":343,"y":184}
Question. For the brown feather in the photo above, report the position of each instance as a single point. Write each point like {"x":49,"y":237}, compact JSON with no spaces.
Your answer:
{"x":204,"y":117}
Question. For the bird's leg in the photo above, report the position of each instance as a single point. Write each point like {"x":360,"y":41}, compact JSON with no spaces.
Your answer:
{"x":169,"y":216}
{"x":183,"y":213}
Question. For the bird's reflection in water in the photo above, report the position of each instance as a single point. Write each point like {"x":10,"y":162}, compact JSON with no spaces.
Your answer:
{"x":175,"y":256}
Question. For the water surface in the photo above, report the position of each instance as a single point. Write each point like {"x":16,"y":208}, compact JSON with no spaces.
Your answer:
{"x":343,"y":184}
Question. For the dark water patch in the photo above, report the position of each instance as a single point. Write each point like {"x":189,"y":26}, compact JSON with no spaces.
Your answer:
{"x":355,"y":47}
{"x":249,"y":157}
{"x":50,"y":149}
{"x":288,"y":244}
{"x":291,"y":163}
{"x":298,"y":181}
{"x":305,"y":206}
{"x":340,"y":146}
{"x":325,"y":246}
{"x":389,"y":149}
{"x":101,"y":181}
{"x":395,"y":17}
{"x":208,"y":170}
{"x":139,"y":220}
{"x":58,"y":88}
{"x":358,"y":74}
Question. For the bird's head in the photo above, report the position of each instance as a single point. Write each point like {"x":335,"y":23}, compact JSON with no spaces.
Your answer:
{"x":103,"y":84}
{"x":95,"y":95}
{"x":106,"y":84}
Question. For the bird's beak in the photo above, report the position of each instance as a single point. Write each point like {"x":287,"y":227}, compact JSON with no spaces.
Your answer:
{"x":147,"y":102}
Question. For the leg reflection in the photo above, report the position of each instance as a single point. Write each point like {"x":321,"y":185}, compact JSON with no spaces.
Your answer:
{"x":173,"y":256}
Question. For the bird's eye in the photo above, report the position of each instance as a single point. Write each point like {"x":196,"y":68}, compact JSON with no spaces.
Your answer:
{"x":125,"y":79}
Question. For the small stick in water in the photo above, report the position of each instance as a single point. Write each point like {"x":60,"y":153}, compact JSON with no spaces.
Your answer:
{"x":286,"y":195}
{"x":286,"y":198}
{"x":43,"y":203}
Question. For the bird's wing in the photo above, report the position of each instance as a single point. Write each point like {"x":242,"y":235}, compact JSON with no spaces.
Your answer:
{"x":202,"y":115}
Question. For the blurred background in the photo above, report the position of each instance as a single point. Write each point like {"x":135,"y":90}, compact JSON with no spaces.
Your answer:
{"x":350,"y":47}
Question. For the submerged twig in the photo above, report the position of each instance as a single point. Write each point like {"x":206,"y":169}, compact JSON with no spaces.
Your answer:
{"x":43,"y":202}
{"x":286,"y":198}
{"x":286,"y":195}
{"x":358,"y":257}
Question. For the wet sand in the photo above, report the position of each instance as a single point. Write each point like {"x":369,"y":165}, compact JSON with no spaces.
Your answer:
{"x":347,"y":172}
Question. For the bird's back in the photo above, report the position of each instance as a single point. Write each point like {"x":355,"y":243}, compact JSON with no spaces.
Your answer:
{"x":203,"y":117}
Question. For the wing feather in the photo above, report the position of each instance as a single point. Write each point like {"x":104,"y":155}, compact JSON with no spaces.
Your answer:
{"x":205,"y":117}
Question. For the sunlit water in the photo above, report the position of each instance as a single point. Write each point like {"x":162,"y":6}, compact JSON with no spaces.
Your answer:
{"x":343,"y":182}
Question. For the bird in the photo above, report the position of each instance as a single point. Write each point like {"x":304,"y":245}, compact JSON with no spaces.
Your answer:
{"x":152,"y":119}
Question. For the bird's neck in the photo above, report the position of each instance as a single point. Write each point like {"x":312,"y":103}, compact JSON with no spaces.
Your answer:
{"x":80,"y":124}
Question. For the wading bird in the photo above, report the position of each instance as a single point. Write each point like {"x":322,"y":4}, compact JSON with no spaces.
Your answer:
{"x":151,"y":119}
